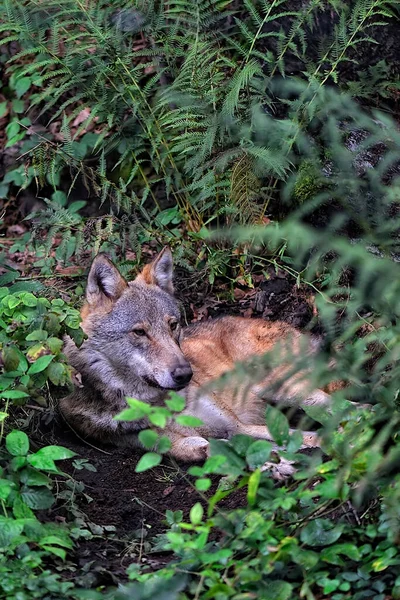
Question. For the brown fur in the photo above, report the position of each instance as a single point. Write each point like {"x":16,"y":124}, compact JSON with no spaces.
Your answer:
{"x":135,"y":349}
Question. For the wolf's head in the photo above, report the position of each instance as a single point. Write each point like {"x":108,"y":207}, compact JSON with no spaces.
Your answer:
{"x":133,"y":328}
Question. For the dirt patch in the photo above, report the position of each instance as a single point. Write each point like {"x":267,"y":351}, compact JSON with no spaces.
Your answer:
{"x":133,"y":503}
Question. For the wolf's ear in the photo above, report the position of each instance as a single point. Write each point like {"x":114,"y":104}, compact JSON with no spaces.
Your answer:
{"x":160,"y":271}
{"x":105,"y":282}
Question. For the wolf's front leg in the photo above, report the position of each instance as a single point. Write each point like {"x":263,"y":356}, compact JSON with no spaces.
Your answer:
{"x":261,"y":432}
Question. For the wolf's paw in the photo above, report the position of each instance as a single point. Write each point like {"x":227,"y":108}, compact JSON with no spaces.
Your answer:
{"x":281,"y":470}
{"x":311,"y":440}
{"x":192,"y":449}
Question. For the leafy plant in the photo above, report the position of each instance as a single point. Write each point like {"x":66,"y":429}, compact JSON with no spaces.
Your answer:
{"x":25,"y":542}
{"x":31,"y":331}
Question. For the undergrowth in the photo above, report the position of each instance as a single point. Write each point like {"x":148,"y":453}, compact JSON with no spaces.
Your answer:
{"x":228,"y":130}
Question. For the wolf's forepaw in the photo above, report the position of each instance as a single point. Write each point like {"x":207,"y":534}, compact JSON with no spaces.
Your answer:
{"x":280,"y":471}
{"x":192,"y":449}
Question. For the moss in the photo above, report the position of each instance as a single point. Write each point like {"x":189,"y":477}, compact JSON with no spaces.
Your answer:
{"x":309,"y":181}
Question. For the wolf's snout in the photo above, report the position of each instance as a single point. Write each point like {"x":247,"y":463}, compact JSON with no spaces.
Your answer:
{"x":182,"y":375}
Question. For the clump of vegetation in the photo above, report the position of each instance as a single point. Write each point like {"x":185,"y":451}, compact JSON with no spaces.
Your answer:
{"x":191,"y":123}
{"x":309,"y":181}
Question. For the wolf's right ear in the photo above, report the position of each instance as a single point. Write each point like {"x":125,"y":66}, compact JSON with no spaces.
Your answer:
{"x":105,"y":283}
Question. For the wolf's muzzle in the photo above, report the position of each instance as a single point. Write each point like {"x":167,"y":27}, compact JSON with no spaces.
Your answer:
{"x":181,"y":376}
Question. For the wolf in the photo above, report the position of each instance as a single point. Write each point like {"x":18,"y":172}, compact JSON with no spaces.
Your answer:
{"x":136,"y":347}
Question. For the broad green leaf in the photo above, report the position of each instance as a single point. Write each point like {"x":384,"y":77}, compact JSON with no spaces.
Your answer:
{"x":321,"y":532}
{"x":175,"y":402}
{"x":11,"y":358}
{"x":56,"y":452}
{"x":147,"y":461}
{"x":42,"y":462}
{"x":39,"y":335}
{"x":13,"y":394}
{"x":40,"y":364}
{"x":10,"y":529}
{"x":163,"y":444}
{"x":56,"y":540}
{"x":196,"y":513}
{"x":56,"y":373}
{"x":137,"y":410}
{"x":203,"y":484}
{"x":54,"y":344}
{"x":22,"y":85}
{"x":17,"y":443}
{"x":258,"y":453}
{"x":278,"y":590}
{"x":28,"y":299}
{"x":278,"y":425}
{"x":189,"y":421}
{"x":37,"y":499}
{"x":158,"y":419}
{"x":56,"y":551}
{"x":32,"y":477}
{"x":21,"y":510}
{"x":5,"y":488}
{"x":148,"y":438}
{"x":233,"y":464}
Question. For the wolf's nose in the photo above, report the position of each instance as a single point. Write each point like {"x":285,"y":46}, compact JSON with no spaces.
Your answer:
{"x":182,"y":375}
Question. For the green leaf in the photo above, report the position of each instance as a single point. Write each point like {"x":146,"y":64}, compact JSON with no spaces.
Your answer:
{"x":38,"y":499}
{"x":148,"y":461}
{"x":43,"y":462}
{"x":189,"y":421}
{"x":56,"y":551}
{"x":278,"y":590}
{"x":17,"y":443}
{"x":22,"y":85}
{"x":10,"y":529}
{"x":13,"y":394}
{"x":21,"y":510}
{"x":56,"y":540}
{"x":278,"y":425}
{"x":203,"y":484}
{"x":56,"y":373}
{"x":32,"y":477}
{"x":163,"y":444}
{"x":305,"y":558}
{"x":39,"y":335}
{"x":56,"y":452}
{"x":40,"y":364}
{"x":158,"y":419}
{"x":11,"y":358}
{"x":320,"y":532}
{"x":54,"y":345}
{"x":3,"y":109}
{"x":148,"y":438}
{"x":252,"y":486}
{"x":12,"y":130}
{"x":175,"y":402}
{"x":196,"y":513}
{"x":5,"y":488}
{"x":28,"y":299}
{"x":258,"y":453}
{"x":137,"y":410}
{"x":233,"y":464}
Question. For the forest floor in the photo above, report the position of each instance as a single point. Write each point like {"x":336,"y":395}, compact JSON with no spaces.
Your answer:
{"x":124,"y":510}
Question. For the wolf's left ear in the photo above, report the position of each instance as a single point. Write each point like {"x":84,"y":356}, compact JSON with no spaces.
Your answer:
{"x":160,"y":271}
{"x":105,"y":283}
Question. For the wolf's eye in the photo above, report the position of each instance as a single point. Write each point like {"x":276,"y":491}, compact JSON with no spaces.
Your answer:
{"x":139,"y":332}
{"x":174,"y":325}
